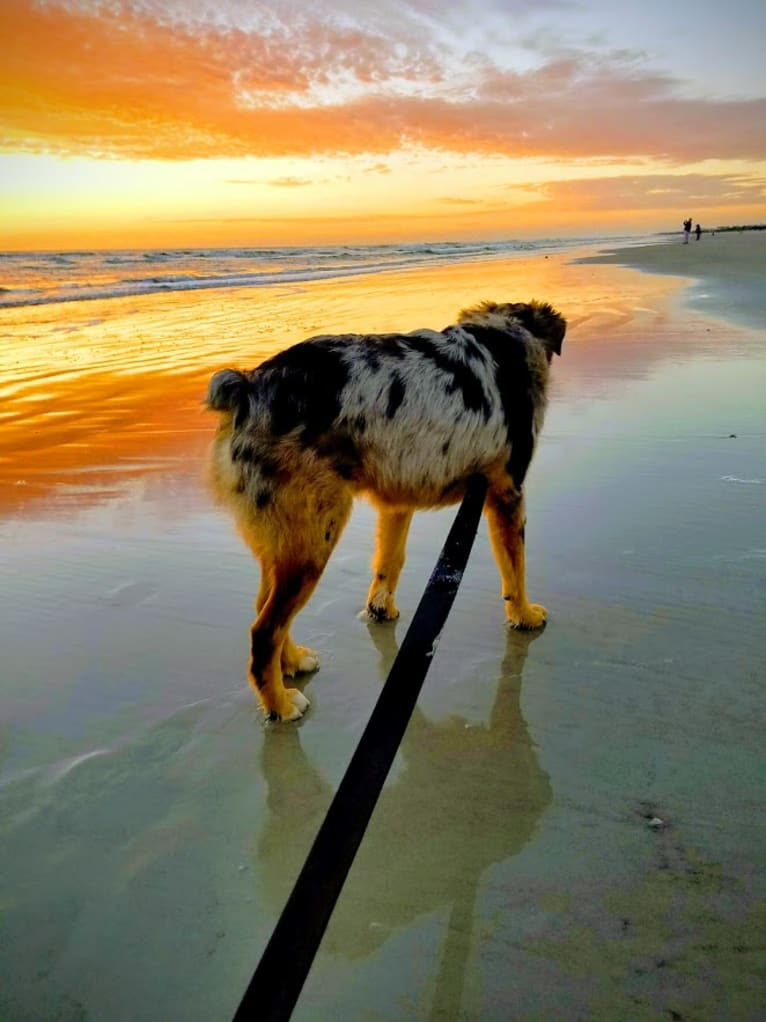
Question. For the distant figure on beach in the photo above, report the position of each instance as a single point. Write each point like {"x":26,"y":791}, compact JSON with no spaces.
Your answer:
{"x":698,"y":231}
{"x":687,"y":230}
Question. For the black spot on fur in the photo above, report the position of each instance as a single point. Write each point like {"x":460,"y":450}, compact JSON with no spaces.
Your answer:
{"x":371,"y":356}
{"x":391,"y":345}
{"x":360,"y":424}
{"x":342,"y":453}
{"x":303,"y":385}
{"x":445,"y":446}
{"x":244,"y":451}
{"x":241,"y":448}
{"x":375,"y":349}
{"x":263,"y":498}
{"x":395,"y":396}
{"x":472,"y":351}
{"x":515,"y":384}
{"x":268,"y":467}
{"x":463,"y":378}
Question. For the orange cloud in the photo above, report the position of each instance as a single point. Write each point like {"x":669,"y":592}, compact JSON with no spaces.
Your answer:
{"x":117,"y":80}
{"x":629,"y":194}
{"x":277,"y":182}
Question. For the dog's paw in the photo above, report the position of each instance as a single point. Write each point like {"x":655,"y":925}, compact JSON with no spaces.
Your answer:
{"x":382,"y":610}
{"x":301,"y":660}
{"x":309,"y":660}
{"x":293,"y":708}
{"x":532,"y":616}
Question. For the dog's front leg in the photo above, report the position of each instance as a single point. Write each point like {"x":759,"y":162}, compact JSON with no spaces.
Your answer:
{"x":506,"y":521}
{"x":391,"y":541}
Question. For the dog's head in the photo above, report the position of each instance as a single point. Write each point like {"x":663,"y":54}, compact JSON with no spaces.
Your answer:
{"x":539,"y":318}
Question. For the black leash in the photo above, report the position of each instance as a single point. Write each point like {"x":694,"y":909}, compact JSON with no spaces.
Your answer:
{"x":279,"y":976}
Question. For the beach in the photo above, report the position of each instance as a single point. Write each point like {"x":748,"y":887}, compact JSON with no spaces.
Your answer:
{"x":574,"y":826}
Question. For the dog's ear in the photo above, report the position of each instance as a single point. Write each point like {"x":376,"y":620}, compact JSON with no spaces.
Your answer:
{"x":544,"y":323}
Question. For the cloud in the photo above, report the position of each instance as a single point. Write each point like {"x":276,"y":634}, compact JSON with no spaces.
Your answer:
{"x":136,"y":80}
{"x":277,"y":182}
{"x":650,"y":192}
{"x":455,"y":201}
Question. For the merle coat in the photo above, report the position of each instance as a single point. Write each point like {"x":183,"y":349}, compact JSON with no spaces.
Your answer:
{"x":403,"y":419}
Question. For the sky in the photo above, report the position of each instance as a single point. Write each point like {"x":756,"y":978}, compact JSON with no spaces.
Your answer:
{"x":200,"y":123}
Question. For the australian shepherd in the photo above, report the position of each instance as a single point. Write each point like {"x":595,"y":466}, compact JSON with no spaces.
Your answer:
{"x":403,"y":419}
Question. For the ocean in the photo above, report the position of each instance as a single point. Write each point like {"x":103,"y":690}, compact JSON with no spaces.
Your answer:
{"x":40,"y":278}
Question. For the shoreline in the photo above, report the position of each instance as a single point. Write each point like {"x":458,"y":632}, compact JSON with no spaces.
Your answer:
{"x":727,"y":271}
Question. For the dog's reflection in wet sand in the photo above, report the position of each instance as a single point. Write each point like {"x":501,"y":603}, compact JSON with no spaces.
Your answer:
{"x":465,"y":797}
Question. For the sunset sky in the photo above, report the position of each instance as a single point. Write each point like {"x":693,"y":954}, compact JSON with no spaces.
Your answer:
{"x":265,"y":122}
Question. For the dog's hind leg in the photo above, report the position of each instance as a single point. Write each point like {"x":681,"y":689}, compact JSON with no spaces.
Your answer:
{"x":267,"y":583}
{"x":295,"y":659}
{"x":505,"y":513}
{"x":293,"y":545}
{"x":391,"y":541}
{"x":292,"y":586}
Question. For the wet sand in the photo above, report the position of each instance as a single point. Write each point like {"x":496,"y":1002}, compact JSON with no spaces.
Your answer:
{"x":152,"y":825}
{"x":726,"y":271}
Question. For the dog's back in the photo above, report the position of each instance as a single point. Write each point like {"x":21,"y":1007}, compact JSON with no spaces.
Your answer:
{"x":404,"y":417}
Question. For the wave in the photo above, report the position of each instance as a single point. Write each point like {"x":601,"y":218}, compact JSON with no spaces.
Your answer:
{"x":43,"y":278}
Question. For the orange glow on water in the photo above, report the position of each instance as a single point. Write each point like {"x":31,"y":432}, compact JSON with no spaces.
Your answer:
{"x":92,"y":391}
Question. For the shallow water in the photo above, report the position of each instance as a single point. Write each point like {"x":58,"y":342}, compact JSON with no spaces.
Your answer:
{"x":153,"y":825}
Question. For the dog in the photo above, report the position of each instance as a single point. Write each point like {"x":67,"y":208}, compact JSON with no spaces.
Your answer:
{"x":403,"y":419}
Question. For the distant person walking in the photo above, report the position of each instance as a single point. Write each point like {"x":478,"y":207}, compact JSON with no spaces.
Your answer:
{"x":687,"y":230}
{"x":698,"y":231}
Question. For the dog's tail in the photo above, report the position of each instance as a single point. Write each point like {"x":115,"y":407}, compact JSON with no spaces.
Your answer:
{"x":228,"y":391}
